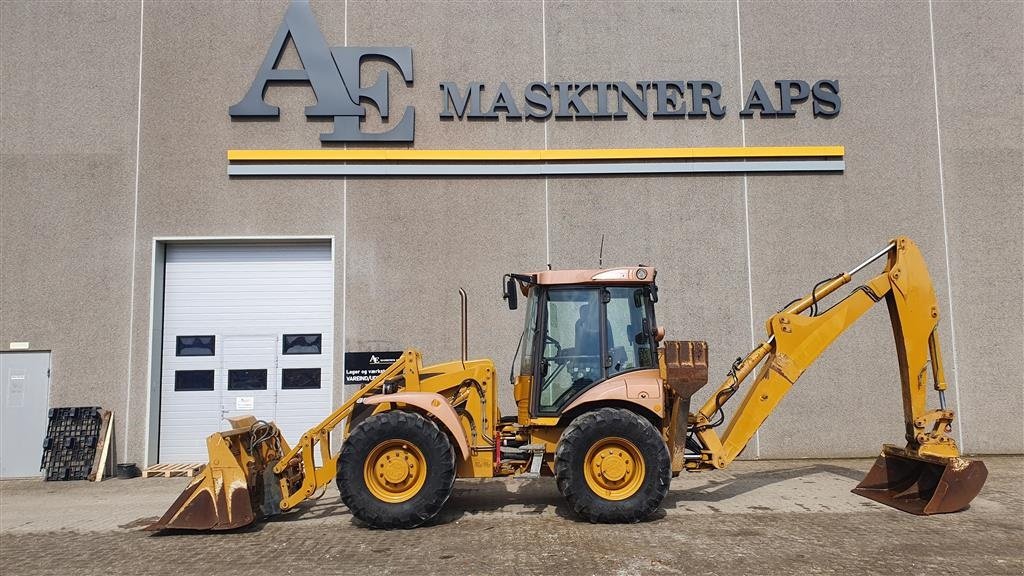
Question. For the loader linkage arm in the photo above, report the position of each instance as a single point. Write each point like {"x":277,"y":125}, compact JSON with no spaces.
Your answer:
{"x":795,"y":340}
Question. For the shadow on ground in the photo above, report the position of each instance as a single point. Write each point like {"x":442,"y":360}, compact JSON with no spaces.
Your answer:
{"x":534,"y":497}
{"x":718,"y":490}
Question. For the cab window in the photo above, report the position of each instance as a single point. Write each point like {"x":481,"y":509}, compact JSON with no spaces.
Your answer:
{"x":630,"y":345}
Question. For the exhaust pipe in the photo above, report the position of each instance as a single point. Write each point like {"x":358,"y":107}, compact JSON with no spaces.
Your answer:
{"x":465,"y":326}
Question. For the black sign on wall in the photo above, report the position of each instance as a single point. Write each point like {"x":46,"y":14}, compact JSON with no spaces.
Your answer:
{"x":362,"y":367}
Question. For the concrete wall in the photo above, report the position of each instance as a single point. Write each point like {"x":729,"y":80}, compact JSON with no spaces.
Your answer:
{"x":978,"y":52}
{"x":68,"y":104}
{"x":730,"y":249}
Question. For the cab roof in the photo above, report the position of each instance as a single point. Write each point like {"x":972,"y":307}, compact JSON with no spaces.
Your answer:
{"x":623,"y":275}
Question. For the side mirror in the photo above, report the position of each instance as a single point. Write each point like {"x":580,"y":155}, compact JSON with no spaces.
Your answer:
{"x":510,"y":293}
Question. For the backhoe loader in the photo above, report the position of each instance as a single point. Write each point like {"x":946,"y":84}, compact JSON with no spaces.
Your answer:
{"x":603,"y":406}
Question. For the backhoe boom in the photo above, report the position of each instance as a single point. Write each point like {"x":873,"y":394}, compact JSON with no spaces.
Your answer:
{"x":795,"y":340}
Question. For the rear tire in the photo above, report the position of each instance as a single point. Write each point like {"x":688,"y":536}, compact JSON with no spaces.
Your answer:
{"x":612,"y":466}
{"x":396,"y":470}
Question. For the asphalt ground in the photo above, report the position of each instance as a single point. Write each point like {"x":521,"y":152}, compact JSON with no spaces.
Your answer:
{"x":763,"y":517}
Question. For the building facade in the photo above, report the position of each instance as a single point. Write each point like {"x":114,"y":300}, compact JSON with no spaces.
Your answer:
{"x":134,"y":249}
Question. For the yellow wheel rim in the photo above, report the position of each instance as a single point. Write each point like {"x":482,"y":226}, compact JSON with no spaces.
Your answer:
{"x":614,"y":468}
{"x":395,"y":471}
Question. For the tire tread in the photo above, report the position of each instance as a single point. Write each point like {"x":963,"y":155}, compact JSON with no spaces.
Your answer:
{"x":437,"y":488}
{"x":576,"y":440}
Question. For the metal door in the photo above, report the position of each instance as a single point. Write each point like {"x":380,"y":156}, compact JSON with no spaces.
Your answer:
{"x":227,"y":307}
{"x":25,"y":399}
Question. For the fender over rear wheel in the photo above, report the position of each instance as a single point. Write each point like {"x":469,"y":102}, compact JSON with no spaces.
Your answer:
{"x":612,"y":466}
{"x":396,"y":470}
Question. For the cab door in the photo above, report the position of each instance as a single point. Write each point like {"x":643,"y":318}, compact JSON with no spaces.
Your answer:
{"x":570,"y":347}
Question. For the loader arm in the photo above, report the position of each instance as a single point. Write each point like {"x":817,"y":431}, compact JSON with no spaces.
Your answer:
{"x":795,"y":340}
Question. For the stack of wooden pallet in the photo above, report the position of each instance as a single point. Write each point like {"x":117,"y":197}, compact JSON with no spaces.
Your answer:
{"x":77,"y":443}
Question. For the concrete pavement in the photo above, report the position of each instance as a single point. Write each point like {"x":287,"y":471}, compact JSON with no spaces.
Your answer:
{"x":763,"y":517}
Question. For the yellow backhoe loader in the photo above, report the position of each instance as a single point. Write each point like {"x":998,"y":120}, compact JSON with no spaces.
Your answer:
{"x":601,"y":407}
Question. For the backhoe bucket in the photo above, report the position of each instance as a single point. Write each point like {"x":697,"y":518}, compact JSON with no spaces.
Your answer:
{"x":922,"y":484}
{"x":229,"y":491}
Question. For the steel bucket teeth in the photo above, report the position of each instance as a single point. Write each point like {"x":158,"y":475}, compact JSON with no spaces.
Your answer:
{"x":923,"y":485}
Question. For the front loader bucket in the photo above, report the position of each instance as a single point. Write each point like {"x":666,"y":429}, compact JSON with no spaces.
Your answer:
{"x":229,"y":490}
{"x":922,"y":484}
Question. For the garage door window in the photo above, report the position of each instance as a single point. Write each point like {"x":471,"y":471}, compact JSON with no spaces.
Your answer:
{"x":196,"y":345}
{"x":247,"y":379}
{"x":302,"y":343}
{"x":193,"y":380}
{"x":300,"y":379}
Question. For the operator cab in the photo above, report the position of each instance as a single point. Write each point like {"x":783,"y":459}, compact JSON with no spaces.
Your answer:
{"x":582,"y":328}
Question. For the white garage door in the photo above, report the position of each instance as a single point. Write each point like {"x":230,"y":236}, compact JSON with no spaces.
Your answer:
{"x":248,"y":329}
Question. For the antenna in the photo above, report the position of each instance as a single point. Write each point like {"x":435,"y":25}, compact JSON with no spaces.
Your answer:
{"x":600,"y":255}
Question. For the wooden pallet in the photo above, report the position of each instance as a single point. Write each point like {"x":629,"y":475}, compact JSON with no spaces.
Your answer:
{"x":169,"y":470}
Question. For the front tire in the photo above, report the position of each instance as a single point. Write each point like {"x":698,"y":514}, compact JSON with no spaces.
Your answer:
{"x":396,"y":470}
{"x":612,"y":466}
